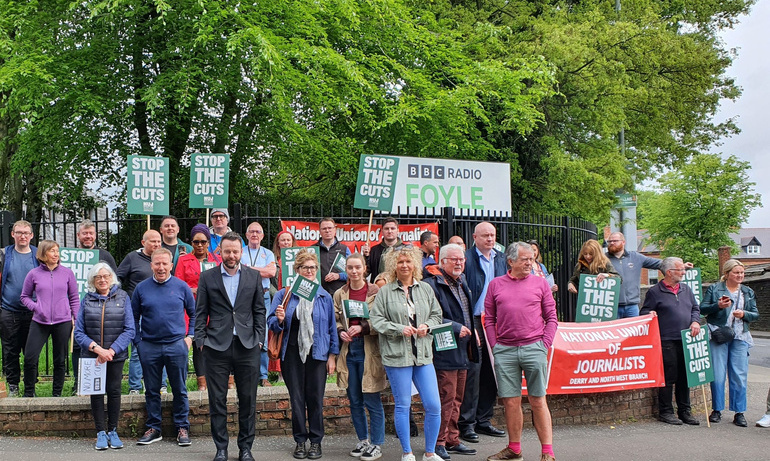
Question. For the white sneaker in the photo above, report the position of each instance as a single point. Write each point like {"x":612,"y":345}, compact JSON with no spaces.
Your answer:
{"x":360,"y":448}
{"x":163,"y":390}
{"x":372,"y":452}
{"x":407,"y":457}
{"x":764,"y":422}
{"x":435,"y":457}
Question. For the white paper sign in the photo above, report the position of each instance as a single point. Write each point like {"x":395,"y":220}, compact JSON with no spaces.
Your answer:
{"x":92,"y":377}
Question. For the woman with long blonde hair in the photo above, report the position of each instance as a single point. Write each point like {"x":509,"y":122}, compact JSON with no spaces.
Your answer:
{"x":593,"y":261}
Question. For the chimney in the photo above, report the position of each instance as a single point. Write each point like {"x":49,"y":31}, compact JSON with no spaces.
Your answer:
{"x":724,"y":255}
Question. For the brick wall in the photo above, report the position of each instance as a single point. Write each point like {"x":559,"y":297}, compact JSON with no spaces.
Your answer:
{"x":71,"y":416}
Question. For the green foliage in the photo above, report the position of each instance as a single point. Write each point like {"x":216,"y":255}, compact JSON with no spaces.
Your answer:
{"x":699,"y":204}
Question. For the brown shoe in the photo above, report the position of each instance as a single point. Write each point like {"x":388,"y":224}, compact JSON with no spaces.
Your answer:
{"x":266,"y":383}
{"x":506,"y":454}
{"x":231,"y":382}
{"x":202,"y":383}
{"x":547,"y":457}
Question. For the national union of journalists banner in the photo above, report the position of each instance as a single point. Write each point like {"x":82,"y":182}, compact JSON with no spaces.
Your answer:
{"x":608,"y":356}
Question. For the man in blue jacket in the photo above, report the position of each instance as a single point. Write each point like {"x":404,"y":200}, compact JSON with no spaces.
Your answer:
{"x":483,"y":263}
{"x":163,"y":339}
{"x":15,"y":261}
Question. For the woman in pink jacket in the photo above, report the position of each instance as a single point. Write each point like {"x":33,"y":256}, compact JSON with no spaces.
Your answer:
{"x":50,"y":291}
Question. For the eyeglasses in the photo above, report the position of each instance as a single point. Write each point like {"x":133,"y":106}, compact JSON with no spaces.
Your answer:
{"x":22,"y":233}
{"x":200,"y":242}
{"x":614,"y":241}
{"x":455,"y":260}
{"x":678,"y":270}
{"x":408,"y":246}
{"x":102,"y":277}
{"x":307,"y":268}
{"x":218,"y":216}
{"x":254,"y":232}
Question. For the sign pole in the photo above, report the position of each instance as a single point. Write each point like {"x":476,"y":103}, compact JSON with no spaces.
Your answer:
{"x":705,"y":406}
{"x":208,"y":212}
{"x":369,"y":230}
{"x":148,"y":222}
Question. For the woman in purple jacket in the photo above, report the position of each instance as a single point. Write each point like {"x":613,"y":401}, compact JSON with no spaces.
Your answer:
{"x":50,"y":291}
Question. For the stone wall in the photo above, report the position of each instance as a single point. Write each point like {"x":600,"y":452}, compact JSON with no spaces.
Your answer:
{"x":71,"y":416}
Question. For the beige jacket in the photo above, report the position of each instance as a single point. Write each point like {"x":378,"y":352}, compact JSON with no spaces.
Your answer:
{"x":374,"y":379}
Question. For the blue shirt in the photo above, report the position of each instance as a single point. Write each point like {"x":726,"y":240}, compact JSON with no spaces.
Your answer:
{"x":488,"y":266}
{"x":16,"y":271}
{"x":231,"y":285}
{"x":261,"y":257}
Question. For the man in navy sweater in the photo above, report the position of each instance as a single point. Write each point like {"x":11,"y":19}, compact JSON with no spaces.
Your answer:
{"x":163,"y":338}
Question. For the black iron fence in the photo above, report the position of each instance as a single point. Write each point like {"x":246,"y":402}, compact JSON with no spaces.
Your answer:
{"x":559,"y":237}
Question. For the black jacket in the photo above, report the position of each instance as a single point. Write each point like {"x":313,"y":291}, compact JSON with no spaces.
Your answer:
{"x":475,"y":275}
{"x":451,"y":311}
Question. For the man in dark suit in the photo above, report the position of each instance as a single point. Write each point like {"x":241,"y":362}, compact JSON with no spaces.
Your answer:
{"x":229,"y":328}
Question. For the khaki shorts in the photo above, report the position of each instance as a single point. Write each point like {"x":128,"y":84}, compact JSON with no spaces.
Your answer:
{"x":510,"y":361}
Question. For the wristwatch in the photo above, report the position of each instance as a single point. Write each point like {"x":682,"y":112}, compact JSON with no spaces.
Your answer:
{"x":93,"y":346}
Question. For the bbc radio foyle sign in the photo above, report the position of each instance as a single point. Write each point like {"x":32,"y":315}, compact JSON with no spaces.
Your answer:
{"x":425,"y":184}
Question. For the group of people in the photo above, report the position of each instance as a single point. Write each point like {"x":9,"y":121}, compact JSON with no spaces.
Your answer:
{"x":221,"y":295}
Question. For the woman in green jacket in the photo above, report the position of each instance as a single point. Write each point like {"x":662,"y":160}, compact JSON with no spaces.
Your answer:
{"x":403,"y":313}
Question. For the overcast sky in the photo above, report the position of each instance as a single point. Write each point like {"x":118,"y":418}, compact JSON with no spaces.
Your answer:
{"x":751,"y":38}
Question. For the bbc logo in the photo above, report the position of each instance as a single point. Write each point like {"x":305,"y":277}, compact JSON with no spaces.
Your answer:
{"x":426,"y":171}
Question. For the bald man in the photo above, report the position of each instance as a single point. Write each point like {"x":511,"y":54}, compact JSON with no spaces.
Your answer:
{"x":135,"y":268}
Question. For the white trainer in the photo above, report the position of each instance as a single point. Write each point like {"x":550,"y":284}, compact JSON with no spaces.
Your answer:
{"x":764,"y":422}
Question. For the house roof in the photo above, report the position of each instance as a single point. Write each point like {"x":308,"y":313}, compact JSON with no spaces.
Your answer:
{"x":752,"y":236}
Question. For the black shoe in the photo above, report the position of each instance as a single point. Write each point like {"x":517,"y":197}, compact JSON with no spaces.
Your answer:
{"x":470,"y":436}
{"x":669,"y":418}
{"x":220,"y":456}
{"x":152,"y":435}
{"x":300,"y":452}
{"x":490,"y":430}
{"x":183,"y":437}
{"x":315,"y":451}
{"x":441,"y":452}
{"x":688,"y":419}
{"x":740,"y":420}
{"x":413,"y":431}
{"x":245,"y":455}
{"x":715,"y":416}
{"x":461,"y":449}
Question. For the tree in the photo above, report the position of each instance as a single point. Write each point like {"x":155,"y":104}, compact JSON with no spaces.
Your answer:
{"x":697,"y":208}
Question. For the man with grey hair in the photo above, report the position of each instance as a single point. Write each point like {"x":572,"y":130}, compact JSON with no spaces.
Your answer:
{"x":677,"y":310}
{"x":451,"y":365}
{"x":87,"y":240}
{"x":520,"y":322}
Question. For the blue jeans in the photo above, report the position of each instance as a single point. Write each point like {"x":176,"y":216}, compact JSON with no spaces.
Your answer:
{"x":173,"y":357}
{"x":629,"y":310}
{"x":424,"y":378}
{"x":135,"y":372}
{"x":358,"y":399}
{"x":731,"y":359}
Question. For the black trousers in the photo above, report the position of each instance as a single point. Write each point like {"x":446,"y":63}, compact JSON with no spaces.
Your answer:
{"x":675,"y":372}
{"x":112,"y":386}
{"x":38,"y":337}
{"x":14,"y":328}
{"x":244,"y":363}
{"x":306,"y":383}
{"x":199,"y":362}
{"x":480,"y":389}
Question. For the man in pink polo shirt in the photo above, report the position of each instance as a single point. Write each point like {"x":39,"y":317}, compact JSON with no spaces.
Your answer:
{"x":520,"y":320}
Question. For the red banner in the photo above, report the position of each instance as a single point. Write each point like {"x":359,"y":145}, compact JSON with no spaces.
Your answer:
{"x":608,"y":356}
{"x":354,"y":235}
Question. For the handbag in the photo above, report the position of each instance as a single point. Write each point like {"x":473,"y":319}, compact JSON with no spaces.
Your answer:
{"x":275,"y":340}
{"x":723,"y":335}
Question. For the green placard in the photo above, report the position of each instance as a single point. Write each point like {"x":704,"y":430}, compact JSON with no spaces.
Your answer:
{"x":206,"y":265}
{"x":376,"y":182}
{"x":443,"y":337}
{"x":287,"y":264}
{"x":692,"y":278}
{"x":697,"y":357}
{"x":500,"y":247}
{"x":339,"y":263}
{"x":597,"y":302}
{"x":355,"y":309}
{"x":147,"y":188}
{"x":305,"y":288}
{"x":209,"y":180}
{"x":79,"y":261}
{"x":626,"y":201}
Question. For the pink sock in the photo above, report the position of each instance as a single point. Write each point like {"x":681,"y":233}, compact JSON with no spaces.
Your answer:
{"x":515,"y":446}
{"x":548,"y":449}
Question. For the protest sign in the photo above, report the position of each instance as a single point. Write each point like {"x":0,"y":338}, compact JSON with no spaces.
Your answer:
{"x":353,"y":236}
{"x":355,"y":309}
{"x":597,"y":302}
{"x":692,"y":278}
{"x":376,"y":182}
{"x":339,"y":263}
{"x":426,"y":185}
{"x":209,"y":180}
{"x":287,"y":264}
{"x":92,"y":377}
{"x":206,"y":265}
{"x":443,"y":337}
{"x":147,"y":188}
{"x":304,"y":288}
{"x":607,"y":356}
{"x":79,"y":261}
{"x":697,"y":357}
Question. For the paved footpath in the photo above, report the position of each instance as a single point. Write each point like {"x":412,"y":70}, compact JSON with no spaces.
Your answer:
{"x":641,"y":441}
